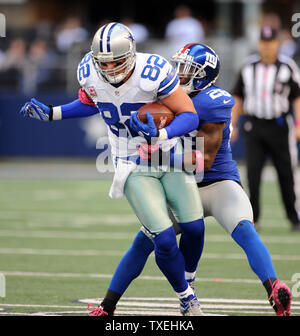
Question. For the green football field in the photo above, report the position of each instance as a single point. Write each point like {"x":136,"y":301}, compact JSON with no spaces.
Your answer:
{"x":60,"y":241}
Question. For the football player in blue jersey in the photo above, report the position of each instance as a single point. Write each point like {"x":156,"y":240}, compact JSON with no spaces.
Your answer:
{"x":116,"y":81}
{"x":220,"y":189}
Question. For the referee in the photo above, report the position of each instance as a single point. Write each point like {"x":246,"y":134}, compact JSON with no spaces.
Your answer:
{"x":267,"y":91}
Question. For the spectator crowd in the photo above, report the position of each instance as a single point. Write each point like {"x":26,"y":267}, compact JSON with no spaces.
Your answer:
{"x":44,"y":59}
{"x":38,"y":61}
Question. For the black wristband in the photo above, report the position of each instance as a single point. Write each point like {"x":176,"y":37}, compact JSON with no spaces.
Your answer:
{"x":50,"y":112}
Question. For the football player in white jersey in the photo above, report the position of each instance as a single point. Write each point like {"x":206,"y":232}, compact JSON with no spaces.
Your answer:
{"x":220,"y":188}
{"x":117,"y":81}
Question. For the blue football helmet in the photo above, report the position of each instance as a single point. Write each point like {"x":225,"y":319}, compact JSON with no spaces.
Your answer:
{"x":198,"y":63}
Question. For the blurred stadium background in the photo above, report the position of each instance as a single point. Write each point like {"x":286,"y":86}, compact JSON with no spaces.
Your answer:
{"x":45,"y":41}
{"x":60,"y":235}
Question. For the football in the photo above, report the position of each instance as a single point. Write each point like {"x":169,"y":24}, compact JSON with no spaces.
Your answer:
{"x":161,"y":114}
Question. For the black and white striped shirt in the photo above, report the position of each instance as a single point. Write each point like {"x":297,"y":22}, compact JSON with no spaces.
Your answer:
{"x":268,"y":90}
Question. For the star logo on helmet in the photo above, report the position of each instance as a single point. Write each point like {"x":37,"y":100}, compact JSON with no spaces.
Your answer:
{"x":130,"y":37}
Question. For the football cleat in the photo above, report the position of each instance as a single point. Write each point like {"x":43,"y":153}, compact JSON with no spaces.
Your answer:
{"x":281,"y":298}
{"x":96,"y":311}
{"x":190,"y":306}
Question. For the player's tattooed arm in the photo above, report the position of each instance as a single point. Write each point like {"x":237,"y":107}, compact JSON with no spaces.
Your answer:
{"x":213,"y":134}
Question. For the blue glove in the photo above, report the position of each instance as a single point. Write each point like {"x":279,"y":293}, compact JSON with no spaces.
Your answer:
{"x":148,"y":130}
{"x":37,"y":110}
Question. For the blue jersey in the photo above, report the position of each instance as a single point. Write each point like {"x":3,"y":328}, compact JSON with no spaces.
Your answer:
{"x":214,"y":105}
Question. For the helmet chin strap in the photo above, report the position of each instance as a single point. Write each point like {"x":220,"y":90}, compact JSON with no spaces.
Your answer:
{"x":115,"y":79}
{"x":188,"y":88}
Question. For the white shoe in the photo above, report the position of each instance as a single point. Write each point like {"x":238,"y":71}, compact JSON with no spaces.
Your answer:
{"x":190,"y":306}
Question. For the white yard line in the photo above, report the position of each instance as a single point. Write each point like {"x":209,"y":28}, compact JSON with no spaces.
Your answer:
{"x":217,"y":312}
{"x":208,"y":303}
{"x":62,"y":215}
{"x":109,"y":276}
{"x":208,"y":300}
{"x":125,"y":236}
{"x":59,"y":252}
{"x":17,"y":305}
{"x":237,"y":256}
{"x":62,"y":252}
{"x":154,"y":306}
{"x":67,"y":235}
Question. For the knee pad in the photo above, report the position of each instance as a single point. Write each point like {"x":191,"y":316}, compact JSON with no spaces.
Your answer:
{"x":143,"y":242}
{"x":244,"y":231}
{"x":165,"y":242}
{"x":195,"y":228}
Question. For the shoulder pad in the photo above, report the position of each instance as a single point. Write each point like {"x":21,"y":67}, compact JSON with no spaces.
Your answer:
{"x":154,"y":70}
{"x":85,"y":69}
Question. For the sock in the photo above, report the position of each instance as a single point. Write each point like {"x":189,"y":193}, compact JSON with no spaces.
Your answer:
{"x":110,"y":301}
{"x":190,"y":276}
{"x":185,"y":294}
{"x":268,"y":285}
{"x":131,"y":264}
{"x":258,"y":256}
{"x":169,"y":259}
{"x":191,"y":243}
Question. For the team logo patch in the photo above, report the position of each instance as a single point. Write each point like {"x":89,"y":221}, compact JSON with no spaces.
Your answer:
{"x":211,"y":60}
{"x":92,"y":91}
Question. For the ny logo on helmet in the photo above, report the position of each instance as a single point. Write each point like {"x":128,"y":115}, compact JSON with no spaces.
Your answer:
{"x":211,"y":60}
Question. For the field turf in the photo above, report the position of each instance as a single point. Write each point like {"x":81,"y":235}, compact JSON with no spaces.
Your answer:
{"x":60,"y":241}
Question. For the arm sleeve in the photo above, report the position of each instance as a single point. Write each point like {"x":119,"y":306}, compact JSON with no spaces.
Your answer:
{"x":183,"y":123}
{"x":81,"y":107}
{"x":77,"y":109}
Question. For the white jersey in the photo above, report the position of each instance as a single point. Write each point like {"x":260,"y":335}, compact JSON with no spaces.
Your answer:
{"x":153,"y":78}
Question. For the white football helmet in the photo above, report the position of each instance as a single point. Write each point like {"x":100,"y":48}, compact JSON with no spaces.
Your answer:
{"x":114,"y":42}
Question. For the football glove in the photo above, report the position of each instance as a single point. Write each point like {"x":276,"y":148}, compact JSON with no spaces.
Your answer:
{"x":37,"y":110}
{"x":148,"y":130}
